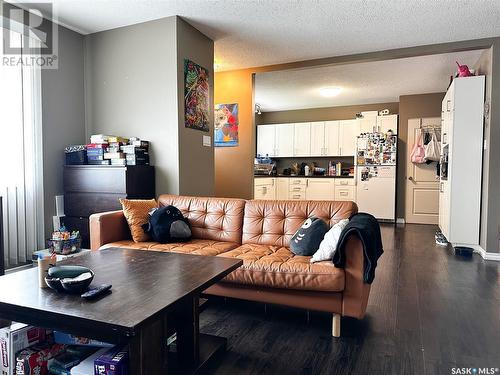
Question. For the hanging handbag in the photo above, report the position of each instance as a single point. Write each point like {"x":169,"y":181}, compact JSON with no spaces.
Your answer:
{"x":432,"y":149}
{"x":417,"y":155}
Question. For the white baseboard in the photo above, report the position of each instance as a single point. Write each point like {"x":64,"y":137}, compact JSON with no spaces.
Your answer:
{"x":486,"y":255}
{"x":479,"y":250}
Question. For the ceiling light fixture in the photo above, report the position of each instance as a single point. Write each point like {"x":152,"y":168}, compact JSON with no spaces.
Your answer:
{"x":257,"y":109}
{"x":330,"y":91}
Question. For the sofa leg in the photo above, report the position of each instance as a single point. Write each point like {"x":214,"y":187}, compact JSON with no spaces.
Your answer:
{"x":336,"y":325}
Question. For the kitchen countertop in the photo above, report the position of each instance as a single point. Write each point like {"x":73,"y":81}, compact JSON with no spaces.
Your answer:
{"x":316,"y":176}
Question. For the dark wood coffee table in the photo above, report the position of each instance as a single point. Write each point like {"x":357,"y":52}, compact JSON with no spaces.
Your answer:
{"x":153,"y":293}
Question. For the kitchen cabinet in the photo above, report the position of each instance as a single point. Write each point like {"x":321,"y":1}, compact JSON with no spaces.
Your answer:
{"x":284,"y":134}
{"x":332,"y":138}
{"x":318,"y":139}
{"x":297,"y":188}
{"x":282,"y":187}
{"x":348,"y":133}
{"x":462,"y":147}
{"x":302,"y":139}
{"x":264,"y":188}
{"x":303,"y":188}
{"x":386,"y":123}
{"x":345,"y":189}
{"x":320,"y":189}
{"x":266,"y":137}
{"x":275,"y":140}
{"x":444,"y":208}
{"x":367,"y":124}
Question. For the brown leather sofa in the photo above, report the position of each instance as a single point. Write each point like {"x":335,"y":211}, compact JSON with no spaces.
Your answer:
{"x":258,"y":232}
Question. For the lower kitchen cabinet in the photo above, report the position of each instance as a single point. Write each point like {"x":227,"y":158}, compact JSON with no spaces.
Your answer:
{"x":345,"y":189}
{"x":282,"y":187}
{"x":264,"y":188}
{"x":302,"y":188}
{"x":320,"y":189}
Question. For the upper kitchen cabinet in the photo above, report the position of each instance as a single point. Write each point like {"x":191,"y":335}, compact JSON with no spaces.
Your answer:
{"x":348,"y":133}
{"x":332,"y":138}
{"x":318,"y":139}
{"x":266,"y":138}
{"x":284,"y":140}
{"x":367,"y":124}
{"x":386,"y":123}
{"x":302,"y":139}
{"x":321,"y":138}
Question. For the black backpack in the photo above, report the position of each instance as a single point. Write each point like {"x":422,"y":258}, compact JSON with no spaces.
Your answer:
{"x":167,"y":224}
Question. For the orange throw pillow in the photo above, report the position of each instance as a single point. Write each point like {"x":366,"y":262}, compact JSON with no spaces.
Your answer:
{"x":136,"y":213}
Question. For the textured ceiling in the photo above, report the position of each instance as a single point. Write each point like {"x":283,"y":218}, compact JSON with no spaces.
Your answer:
{"x":363,"y":83}
{"x":261,"y":32}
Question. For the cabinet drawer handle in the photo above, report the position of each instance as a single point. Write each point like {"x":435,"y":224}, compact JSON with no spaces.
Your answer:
{"x":344,"y":193}
{"x":448,"y":102}
{"x":296,"y":189}
{"x":296,"y":196}
{"x":296,"y":182}
{"x":343,"y":183}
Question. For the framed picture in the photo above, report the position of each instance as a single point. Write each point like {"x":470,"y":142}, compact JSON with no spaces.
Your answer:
{"x":196,"y":99}
{"x":226,"y":125}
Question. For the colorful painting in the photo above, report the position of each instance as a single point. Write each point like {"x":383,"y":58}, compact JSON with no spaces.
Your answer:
{"x":226,"y":125}
{"x":196,"y":100}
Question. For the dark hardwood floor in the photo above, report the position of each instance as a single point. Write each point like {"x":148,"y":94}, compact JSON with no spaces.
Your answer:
{"x":429,"y":311}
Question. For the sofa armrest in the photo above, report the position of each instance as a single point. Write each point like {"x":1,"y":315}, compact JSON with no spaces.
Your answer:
{"x":356,"y":292}
{"x":106,"y":227}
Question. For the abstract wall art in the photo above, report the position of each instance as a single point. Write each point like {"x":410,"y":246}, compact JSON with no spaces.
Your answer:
{"x":196,"y":97}
{"x":226,"y":125}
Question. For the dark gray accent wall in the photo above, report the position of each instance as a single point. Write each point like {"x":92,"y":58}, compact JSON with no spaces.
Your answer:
{"x":63,"y":115}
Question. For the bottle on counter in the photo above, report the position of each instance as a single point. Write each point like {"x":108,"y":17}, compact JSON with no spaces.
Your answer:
{"x":339,"y":169}
{"x":306,"y":170}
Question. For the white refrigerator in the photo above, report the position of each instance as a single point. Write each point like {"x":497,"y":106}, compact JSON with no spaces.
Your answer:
{"x":376,"y":175}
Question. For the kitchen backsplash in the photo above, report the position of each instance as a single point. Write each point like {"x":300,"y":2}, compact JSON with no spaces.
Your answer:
{"x":322,"y":162}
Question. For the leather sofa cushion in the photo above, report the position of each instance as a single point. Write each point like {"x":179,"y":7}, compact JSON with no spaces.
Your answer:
{"x":217,"y":219}
{"x":196,"y":246}
{"x":274,"y":223}
{"x":277,"y":267}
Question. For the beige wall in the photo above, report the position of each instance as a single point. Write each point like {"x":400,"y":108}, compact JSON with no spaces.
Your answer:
{"x":134,"y":87}
{"x":322,"y":114}
{"x":131,"y":90}
{"x":412,"y":106}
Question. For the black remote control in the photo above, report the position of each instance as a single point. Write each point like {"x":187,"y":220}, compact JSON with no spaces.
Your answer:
{"x":96,"y":292}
